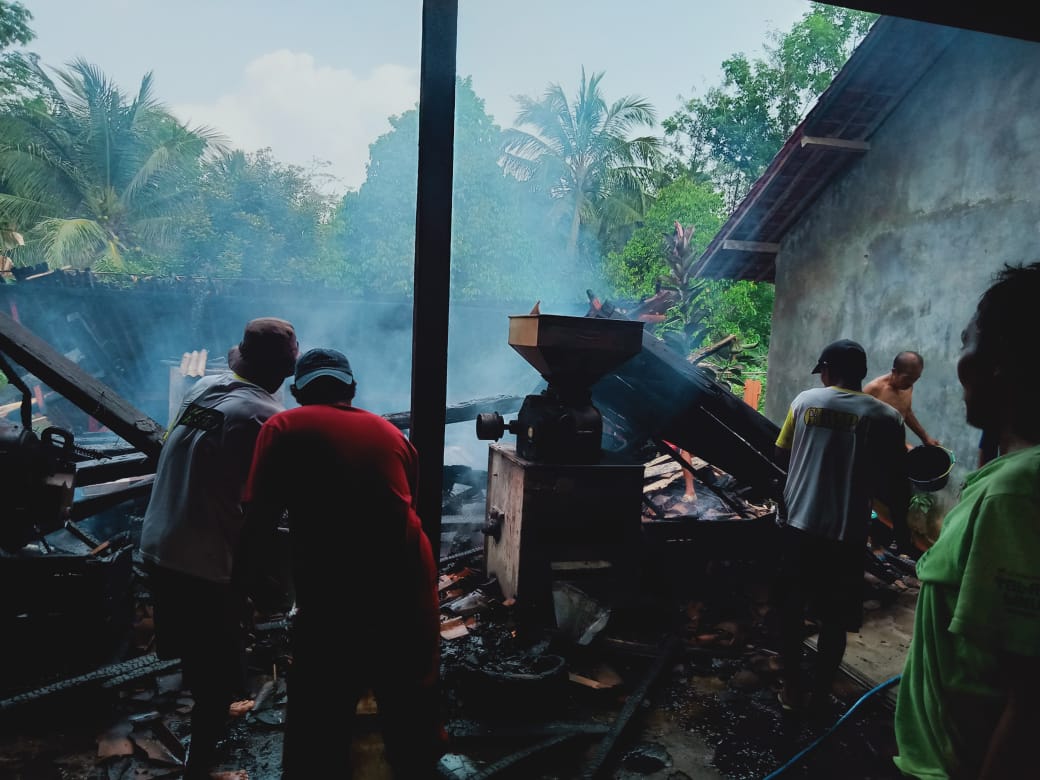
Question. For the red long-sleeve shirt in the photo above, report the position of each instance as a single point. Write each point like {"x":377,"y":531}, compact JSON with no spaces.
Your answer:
{"x":347,"y":479}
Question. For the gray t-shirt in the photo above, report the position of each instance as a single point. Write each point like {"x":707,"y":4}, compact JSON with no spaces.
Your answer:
{"x":845,"y":446}
{"x":194,"y":517}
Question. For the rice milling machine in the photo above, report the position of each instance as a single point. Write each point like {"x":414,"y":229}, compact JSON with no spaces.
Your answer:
{"x":555,"y":512}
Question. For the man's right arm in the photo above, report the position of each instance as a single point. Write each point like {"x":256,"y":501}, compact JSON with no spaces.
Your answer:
{"x":784,"y":441}
{"x":1012,"y":745}
{"x":914,"y":425}
{"x":263,"y":507}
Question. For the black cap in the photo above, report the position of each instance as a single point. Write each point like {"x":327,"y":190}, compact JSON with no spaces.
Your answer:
{"x":845,"y":357}
{"x":323,"y":362}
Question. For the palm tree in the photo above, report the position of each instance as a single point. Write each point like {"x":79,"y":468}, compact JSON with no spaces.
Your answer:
{"x":91,"y":177}
{"x":582,"y":156}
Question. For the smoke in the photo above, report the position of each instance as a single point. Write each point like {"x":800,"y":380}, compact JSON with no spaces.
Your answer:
{"x":508,"y":254}
{"x":130,"y":338}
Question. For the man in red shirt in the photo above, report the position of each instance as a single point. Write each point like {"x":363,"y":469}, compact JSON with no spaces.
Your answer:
{"x":358,"y":557}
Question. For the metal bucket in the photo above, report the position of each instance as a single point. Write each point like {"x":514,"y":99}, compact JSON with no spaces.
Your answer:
{"x":928,"y":467}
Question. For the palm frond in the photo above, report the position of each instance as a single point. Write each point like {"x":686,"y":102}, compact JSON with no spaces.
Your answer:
{"x":580,"y":153}
{"x":71,"y":242}
{"x":38,"y":175}
{"x":216,"y":142}
{"x":156,"y":162}
{"x":89,"y":159}
{"x":18,"y":212}
{"x":144,"y":99}
{"x":155,"y":230}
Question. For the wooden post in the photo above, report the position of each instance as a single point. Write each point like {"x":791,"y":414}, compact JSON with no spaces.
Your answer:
{"x":752,"y":392}
{"x":433,"y":256}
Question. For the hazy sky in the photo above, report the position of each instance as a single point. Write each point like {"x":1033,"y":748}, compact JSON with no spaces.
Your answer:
{"x":317,"y":79}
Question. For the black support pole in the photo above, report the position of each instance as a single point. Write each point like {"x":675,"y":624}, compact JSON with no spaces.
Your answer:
{"x":433,"y":255}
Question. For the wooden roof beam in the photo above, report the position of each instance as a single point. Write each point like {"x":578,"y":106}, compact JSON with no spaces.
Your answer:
{"x":751,"y":246}
{"x":91,"y":395}
{"x":838,"y":144}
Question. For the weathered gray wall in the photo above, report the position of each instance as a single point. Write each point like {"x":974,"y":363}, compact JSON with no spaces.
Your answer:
{"x":895,"y":253}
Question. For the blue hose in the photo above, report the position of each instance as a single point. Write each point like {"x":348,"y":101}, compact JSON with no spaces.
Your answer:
{"x":794,"y":760}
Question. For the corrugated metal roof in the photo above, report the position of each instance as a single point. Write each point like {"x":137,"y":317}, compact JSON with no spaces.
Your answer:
{"x":1011,"y":18}
{"x":836,"y":132}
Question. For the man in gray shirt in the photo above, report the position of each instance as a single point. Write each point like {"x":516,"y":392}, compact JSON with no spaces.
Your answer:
{"x":841,"y":447}
{"x":194,"y":520}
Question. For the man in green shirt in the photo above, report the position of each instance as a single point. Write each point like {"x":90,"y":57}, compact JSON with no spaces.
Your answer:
{"x":969,"y":697}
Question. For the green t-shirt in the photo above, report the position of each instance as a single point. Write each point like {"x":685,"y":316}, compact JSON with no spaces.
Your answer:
{"x":979,"y":599}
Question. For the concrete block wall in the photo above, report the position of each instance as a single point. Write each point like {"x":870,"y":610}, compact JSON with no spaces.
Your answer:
{"x":896,"y":252}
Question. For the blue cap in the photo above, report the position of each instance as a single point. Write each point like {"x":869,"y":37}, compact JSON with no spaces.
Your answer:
{"x":323,"y":362}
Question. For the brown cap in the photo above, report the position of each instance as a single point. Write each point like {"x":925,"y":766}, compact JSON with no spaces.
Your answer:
{"x":268,"y":348}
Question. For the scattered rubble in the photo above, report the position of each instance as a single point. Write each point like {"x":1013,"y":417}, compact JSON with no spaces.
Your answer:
{"x":571,"y":696}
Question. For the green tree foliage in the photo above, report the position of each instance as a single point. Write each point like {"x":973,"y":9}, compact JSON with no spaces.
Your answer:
{"x":17,"y":68}
{"x":663,"y":257}
{"x":637,"y":271}
{"x":14,"y":24}
{"x":257,"y":218}
{"x":736,"y":128}
{"x":94,"y":178}
{"x":741,"y":308}
{"x":15,"y":76}
{"x":723,"y":325}
{"x":374,"y":227}
{"x":582,"y":155}
{"x":500,"y":248}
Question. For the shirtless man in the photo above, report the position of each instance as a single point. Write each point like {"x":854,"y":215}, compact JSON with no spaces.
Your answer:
{"x":896,"y":388}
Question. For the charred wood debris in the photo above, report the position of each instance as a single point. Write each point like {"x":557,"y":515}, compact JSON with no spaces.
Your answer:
{"x":511,"y":697}
{"x":696,"y":605}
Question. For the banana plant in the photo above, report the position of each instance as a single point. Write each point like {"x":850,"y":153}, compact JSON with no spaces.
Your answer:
{"x":685,"y":326}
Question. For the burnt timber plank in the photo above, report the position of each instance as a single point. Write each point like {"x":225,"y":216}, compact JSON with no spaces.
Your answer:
{"x":467,"y":410}
{"x":597,"y":768}
{"x":94,"y":472}
{"x":87,"y":507}
{"x":658,"y":394}
{"x":92,"y":396}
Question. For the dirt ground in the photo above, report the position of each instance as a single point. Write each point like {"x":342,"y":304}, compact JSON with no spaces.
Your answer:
{"x":705,"y":720}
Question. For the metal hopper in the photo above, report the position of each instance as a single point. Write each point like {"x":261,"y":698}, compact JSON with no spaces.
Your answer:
{"x":561,"y":424}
